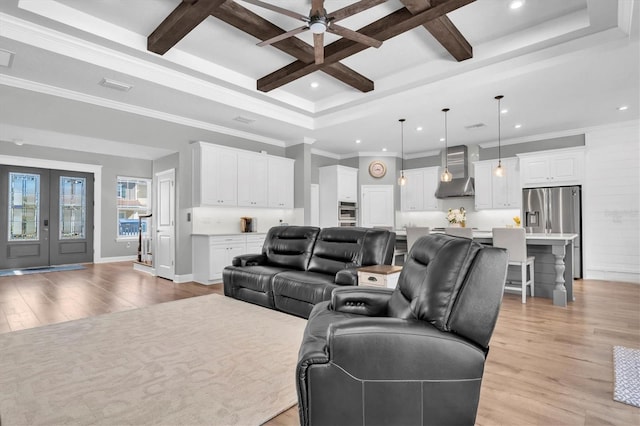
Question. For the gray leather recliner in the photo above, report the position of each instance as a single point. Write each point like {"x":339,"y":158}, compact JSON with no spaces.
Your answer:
{"x":410,"y":356}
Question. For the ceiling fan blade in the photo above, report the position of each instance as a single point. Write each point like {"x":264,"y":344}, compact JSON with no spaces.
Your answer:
{"x":278,"y":9}
{"x":353,"y":35}
{"x":283,"y":36}
{"x":352,"y":9}
{"x":317,"y":7}
{"x":318,"y":47}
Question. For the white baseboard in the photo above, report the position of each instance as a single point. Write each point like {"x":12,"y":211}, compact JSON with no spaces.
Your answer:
{"x":601,"y":274}
{"x":116,"y":259}
{"x":179,"y":279}
{"x":144,"y":268}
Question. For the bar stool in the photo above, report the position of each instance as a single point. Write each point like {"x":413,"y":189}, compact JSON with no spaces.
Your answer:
{"x":514,"y":240}
{"x":415,"y":232}
{"x":459,"y":232}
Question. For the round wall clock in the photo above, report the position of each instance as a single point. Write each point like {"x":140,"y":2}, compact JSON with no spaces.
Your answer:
{"x":377,"y":169}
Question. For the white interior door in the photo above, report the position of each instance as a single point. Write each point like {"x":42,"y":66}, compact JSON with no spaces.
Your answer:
{"x":315,"y":205}
{"x":377,"y":205}
{"x":164,"y":258}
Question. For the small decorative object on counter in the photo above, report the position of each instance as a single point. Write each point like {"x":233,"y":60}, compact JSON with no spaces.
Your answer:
{"x":457,"y":217}
{"x":516,"y":220}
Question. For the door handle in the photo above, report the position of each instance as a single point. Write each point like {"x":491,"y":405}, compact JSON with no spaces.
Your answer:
{"x":46,"y":222}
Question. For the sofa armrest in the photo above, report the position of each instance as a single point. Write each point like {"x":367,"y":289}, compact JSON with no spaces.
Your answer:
{"x":249,"y":260}
{"x":362,"y":301}
{"x":423,"y":351}
{"x":347,"y":276}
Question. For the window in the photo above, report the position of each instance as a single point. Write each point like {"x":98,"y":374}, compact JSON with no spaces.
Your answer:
{"x":134,"y":200}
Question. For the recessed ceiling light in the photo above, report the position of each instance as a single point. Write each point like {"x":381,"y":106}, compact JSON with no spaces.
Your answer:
{"x":18,"y":142}
{"x":517,"y":126}
{"x":516,"y":4}
{"x":384,"y":149}
{"x":504,"y":111}
{"x":358,"y":141}
{"x":623,"y":108}
{"x":419,"y":128}
{"x":441,"y":139}
{"x":117,"y":85}
{"x":314,"y":84}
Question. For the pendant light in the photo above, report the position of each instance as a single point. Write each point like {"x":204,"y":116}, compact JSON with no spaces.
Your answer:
{"x":499,"y":170}
{"x":403,"y":180}
{"x":446,"y":175}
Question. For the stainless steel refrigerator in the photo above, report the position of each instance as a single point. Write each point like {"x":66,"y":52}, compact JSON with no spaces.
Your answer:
{"x":555,"y":210}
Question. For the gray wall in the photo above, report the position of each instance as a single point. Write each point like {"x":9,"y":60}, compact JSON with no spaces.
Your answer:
{"x":541,"y":145}
{"x":418,"y":163}
{"x":318,"y":161}
{"x":112,"y":167}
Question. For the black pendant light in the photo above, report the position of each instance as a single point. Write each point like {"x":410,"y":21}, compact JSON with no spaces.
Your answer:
{"x":499,"y":170}
{"x":446,"y":174}
{"x":403,"y":180}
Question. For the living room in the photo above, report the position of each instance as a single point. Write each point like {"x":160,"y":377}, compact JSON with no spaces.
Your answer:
{"x":569,"y":76}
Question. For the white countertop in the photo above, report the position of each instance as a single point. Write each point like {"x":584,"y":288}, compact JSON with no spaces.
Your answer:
{"x":529,"y":236}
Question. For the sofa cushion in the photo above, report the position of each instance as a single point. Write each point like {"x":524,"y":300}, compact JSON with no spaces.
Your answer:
{"x":290,"y":246}
{"x":431,"y":278}
{"x":251,"y":283}
{"x":300,"y":290}
{"x":341,"y":248}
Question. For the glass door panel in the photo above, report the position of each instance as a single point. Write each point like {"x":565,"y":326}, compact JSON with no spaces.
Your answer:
{"x":24,"y":207}
{"x":73,"y":207}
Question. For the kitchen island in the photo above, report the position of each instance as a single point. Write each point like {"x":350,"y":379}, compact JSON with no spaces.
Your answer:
{"x":553,"y":265}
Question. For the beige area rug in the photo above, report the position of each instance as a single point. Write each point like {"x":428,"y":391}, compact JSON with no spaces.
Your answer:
{"x":208,"y":360}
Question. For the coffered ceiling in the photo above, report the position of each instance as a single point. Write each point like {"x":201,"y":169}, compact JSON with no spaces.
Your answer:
{"x":562,"y":66}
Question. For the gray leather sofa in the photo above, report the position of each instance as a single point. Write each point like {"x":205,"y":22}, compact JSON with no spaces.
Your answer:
{"x":410,"y":356}
{"x":301,"y":265}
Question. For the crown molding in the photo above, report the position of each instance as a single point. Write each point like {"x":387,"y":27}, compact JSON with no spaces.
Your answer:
{"x":121,"y":106}
{"x":95,"y":54}
{"x":327,"y":154}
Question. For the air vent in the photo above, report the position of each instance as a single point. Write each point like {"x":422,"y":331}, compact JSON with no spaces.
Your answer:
{"x":6,"y":58}
{"x":475,"y":126}
{"x":243,"y":120}
{"x":117,"y":85}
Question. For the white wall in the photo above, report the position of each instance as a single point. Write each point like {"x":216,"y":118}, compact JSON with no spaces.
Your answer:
{"x":611,"y":203}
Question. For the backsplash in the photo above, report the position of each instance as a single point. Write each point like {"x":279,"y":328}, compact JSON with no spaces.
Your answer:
{"x":482,"y":219}
{"x":226,"y":220}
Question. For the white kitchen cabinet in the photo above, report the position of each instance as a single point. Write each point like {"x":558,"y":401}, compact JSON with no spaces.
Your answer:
{"x":418,"y":194}
{"x":215,"y":172}
{"x":494,"y":192}
{"x":212,"y":253}
{"x":483,"y":184}
{"x":337,"y":184}
{"x":280,"y":182}
{"x":347,"y":184}
{"x":557,"y":167}
{"x":225,"y":176}
{"x":252,"y":180}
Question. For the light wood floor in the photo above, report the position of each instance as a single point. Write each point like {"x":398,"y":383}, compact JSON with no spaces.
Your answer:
{"x":547,"y":364}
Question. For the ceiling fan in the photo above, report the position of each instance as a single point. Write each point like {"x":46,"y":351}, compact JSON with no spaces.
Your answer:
{"x":320,"y":22}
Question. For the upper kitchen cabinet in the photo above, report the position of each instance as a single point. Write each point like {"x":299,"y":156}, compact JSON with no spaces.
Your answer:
{"x":418,"y":194}
{"x":225,"y":176}
{"x":347,"y":184}
{"x":280,"y":182}
{"x":494,"y":192}
{"x":215,"y":172}
{"x":558,"y":167}
{"x":253,"y":179}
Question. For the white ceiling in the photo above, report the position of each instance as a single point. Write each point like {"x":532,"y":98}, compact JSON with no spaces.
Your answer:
{"x":562,"y":66}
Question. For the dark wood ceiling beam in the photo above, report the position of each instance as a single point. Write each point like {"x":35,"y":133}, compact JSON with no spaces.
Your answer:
{"x":255,"y":25}
{"x":179,"y":23}
{"x":383,"y":29}
{"x":443,"y":30}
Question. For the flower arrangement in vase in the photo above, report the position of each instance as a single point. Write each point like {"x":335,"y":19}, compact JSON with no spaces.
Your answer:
{"x":516,"y":220}
{"x":457,"y":217}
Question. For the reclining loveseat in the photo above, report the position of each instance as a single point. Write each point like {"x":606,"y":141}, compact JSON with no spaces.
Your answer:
{"x":301,"y":265}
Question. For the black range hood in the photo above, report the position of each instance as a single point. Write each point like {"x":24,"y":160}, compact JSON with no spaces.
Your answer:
{"x":462,"y":184}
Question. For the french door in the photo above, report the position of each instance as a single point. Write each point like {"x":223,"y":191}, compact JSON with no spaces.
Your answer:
{"x":46,"y":217}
